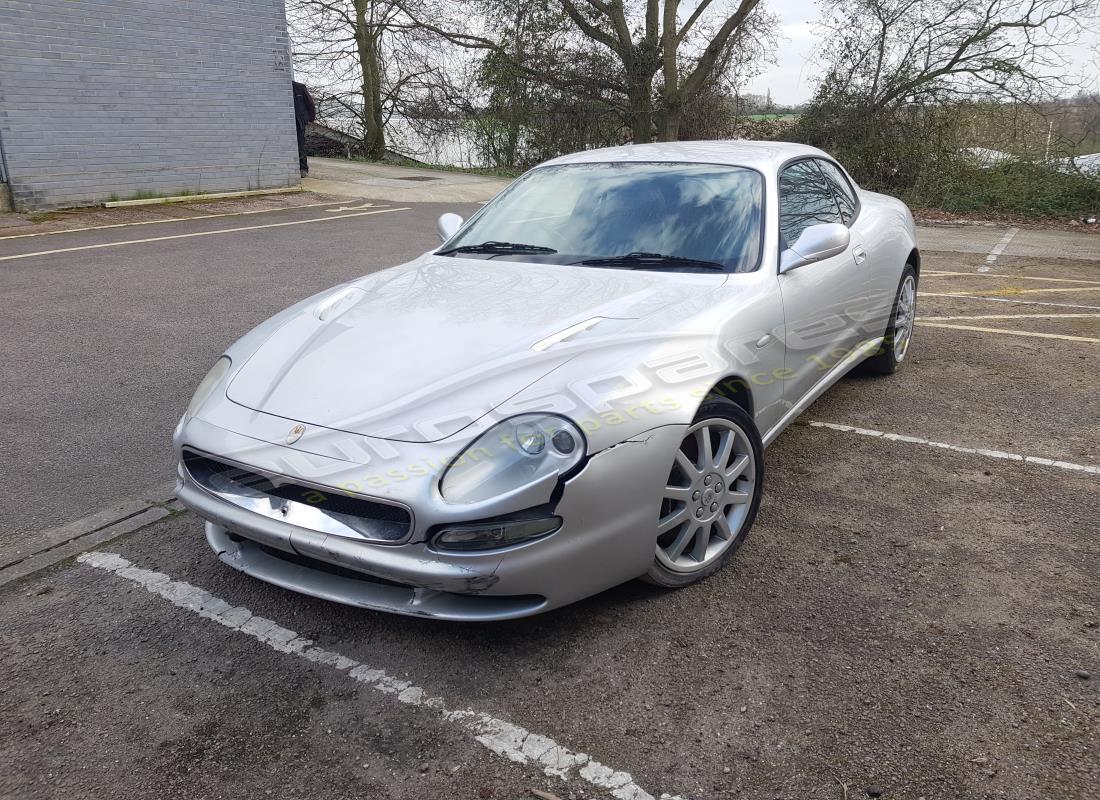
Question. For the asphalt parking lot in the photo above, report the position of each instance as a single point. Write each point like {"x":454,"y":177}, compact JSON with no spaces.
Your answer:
{"x":916,"y":613}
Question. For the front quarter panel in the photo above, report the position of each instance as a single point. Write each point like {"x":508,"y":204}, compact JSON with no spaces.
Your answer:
{"x":657,"y":373}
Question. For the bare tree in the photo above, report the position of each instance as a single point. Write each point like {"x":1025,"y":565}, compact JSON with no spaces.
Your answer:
{"x":884,"y":53}
{"x":365,"y":57}
{"x":907,"y":82}
{"x":691,"y":65}
{"x":666,"y":51}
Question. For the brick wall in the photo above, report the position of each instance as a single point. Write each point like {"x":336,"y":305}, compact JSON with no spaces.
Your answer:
{"x":109,"y":98}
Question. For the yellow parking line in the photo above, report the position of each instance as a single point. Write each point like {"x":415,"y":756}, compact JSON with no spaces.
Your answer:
{"x":1008,"y":316}
{"x":198,"y":233}
{"x":938,"y":273}
{"x":1010,"y":332}
{"x":169,"y":219}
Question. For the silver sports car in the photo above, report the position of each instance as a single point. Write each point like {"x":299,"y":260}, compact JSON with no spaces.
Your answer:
{"x":574,"y":390}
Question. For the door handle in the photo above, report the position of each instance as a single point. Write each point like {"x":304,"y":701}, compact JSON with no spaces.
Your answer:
{"x":860,"y":254}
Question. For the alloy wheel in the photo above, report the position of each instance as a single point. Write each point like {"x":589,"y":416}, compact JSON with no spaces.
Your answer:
{"x":707,"y":496}
{"x":903,"y":319}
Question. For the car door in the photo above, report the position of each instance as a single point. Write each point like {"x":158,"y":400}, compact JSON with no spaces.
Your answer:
{"x":870,"y":308}
{"x":818,"y":332}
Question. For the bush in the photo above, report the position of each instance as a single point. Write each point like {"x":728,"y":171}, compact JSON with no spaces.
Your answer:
{"x":1018,"y":187}
{"x":917,"y":154}
{"x":886,"y":150}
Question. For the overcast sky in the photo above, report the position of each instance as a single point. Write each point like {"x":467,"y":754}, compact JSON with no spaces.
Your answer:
{"x":791,"y":78}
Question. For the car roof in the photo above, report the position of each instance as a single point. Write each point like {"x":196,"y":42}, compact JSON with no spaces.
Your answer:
{"x":764,"y":156}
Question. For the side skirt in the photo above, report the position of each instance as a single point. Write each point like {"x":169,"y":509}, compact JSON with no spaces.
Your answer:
{"x":828,"y":379}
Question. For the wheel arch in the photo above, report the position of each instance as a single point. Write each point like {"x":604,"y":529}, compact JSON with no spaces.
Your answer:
{"x":735,"y":388}
{"x":914,"y":259}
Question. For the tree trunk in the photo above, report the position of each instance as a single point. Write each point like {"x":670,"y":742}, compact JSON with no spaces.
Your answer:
{"x":668,"y":127}
{"x":511,"y":143}
{"x":517,"y":92}
{"x":640,"y":115}
{"x":366,"y":41}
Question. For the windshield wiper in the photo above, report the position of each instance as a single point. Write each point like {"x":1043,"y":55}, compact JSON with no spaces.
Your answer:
{"x":497,"y":248}
{"x":649,"y":261}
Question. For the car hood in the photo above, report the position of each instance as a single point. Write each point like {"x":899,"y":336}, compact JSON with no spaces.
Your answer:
{"x":419,"y":352}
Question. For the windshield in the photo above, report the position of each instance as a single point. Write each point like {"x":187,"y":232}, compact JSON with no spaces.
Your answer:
{"x":630,"y":215}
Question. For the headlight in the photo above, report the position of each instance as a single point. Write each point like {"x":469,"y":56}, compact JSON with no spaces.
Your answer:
{"x":512,"y":454}
{"x":213,"y":377}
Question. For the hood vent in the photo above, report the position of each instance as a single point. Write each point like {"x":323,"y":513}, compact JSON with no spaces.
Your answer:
{"x":562,"y":335}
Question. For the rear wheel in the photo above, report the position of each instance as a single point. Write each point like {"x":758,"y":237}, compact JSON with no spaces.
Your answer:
{"x":711,"y":495}
{"x":899,"y":333}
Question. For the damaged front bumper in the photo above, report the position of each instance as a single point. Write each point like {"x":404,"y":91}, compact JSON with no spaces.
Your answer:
{"x":609,"y":512}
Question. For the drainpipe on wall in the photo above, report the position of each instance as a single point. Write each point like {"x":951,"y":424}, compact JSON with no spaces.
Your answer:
{"x":5,"y":191}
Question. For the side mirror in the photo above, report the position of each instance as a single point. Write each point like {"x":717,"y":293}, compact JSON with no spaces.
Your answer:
{"x":448,"y":226}
{"x":816,"y":243}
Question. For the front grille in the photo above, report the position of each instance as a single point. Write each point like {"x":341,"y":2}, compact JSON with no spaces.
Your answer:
{"x":374,"y":520}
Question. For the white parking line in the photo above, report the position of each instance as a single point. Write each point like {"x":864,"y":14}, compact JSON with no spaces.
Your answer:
{"x":1008,"y":332}
{"x":998,"y":249}
{"x":501,"y":737}
{"x":897,"y":437}
{"x":170,"y":219}
{"x":942,"y":273}
{"x":1009,"y":316}
{"x":1015,"y":291}
{"x":198,"y":233}
{"x":1007,"y":300}
{"x":359,"y":207}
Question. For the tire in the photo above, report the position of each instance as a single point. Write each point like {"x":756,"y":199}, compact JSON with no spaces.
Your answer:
{"x":899,"y":332}
{"x":692,"y":541}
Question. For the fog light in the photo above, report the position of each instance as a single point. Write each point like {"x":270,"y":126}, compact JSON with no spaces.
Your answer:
{"x":489,"y":535}
{"x":564,"y":442}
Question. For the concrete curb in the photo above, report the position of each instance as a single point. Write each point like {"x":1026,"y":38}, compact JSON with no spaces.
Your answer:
{"x":57,"y":544}
{"x":188,"y":198}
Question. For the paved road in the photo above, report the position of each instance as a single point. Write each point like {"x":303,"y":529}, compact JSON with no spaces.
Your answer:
{"x":1011,"y":242}
{"x":401,"y":184}
{"x":913,"y":611}
{"x":106,"y":331}
{"x":101,"y":348}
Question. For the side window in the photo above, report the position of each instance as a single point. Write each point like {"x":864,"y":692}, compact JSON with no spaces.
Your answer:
{"x":805,"y":199}
{"x":842,"y":188}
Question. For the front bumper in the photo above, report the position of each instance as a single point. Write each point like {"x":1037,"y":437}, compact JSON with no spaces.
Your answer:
{"x":609,"y":513}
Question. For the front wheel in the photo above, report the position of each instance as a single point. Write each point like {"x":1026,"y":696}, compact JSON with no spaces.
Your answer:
{"x":711,"y":495}
{"x":899,"y":332}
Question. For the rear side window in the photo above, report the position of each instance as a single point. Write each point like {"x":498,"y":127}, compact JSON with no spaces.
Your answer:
{"x":805,"y":199}
{"x":842,"y":188}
